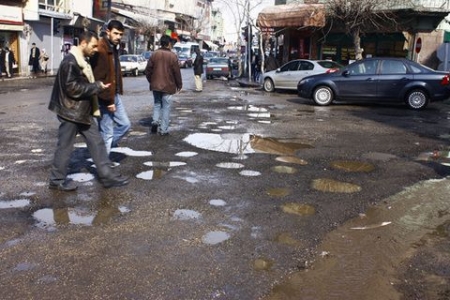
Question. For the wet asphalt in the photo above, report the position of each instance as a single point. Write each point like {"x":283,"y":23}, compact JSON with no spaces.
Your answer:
{"x":251,"y":196}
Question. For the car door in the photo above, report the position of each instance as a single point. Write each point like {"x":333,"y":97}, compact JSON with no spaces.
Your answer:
{"x":305,"y":68}
{"x":358,"y":81}
{"x":283,"y":77}
{"x":392,"y":79}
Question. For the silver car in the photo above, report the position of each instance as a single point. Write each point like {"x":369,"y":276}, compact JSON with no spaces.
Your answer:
{"x":287,"y":76}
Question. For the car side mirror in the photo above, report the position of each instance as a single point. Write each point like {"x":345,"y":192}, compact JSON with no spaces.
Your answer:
{"x":278,"y":70}
{"x":346,"y":73}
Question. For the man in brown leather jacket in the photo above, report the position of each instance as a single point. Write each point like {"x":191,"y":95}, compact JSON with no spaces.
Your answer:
{"x":164,"y":75}
{"x":113,"y":123}
{"x":74,"y":101}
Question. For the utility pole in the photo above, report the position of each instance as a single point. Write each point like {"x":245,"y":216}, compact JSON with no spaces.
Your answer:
{"x":249,"y":43}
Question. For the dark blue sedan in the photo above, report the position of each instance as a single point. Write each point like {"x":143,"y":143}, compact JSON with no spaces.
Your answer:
{"x":378,"y":80}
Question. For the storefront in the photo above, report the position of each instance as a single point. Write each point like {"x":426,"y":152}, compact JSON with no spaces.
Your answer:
{"x":11,"y":24}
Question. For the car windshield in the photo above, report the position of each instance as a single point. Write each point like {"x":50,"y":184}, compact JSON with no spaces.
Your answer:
{"x":127,"y":58}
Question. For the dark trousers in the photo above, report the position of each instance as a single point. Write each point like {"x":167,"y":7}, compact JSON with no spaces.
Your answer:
{"x":67,"y":133}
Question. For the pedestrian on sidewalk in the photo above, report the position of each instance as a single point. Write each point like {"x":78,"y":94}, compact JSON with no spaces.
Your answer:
{"x":164,"y":75}
{"x":2,"y":61}
{"x":9,"y":62}
{"x":74,"y":100}
{"x":113,"y":122}
{"x":35,"y":53}
{"x":198,"y":70}
{"x":43,"y":59}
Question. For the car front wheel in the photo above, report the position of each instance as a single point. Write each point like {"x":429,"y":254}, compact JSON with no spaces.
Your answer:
{"x":417,"y":99}
{"x":323,"y":95}
{"x":268,"y":85}
{"x":136,"y":72}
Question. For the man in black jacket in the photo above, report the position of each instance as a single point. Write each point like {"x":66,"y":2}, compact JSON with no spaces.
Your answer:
{"x":198,"y":70}
{"x":74,"y":100}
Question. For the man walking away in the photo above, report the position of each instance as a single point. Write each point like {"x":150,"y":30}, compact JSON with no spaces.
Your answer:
{"x":164,"y":75}
{"x":198,"y":70}
{"x":113,"y":123}
{"x":74,"y":101}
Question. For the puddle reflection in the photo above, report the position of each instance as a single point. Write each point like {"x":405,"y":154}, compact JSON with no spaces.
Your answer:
{"x":334,"y":186}
{"x":243,"y":144}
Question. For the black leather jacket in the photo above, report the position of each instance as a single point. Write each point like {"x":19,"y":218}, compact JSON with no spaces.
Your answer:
{"x":72,"y":93}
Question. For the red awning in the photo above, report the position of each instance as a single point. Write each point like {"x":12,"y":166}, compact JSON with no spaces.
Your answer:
{"x":292,"y":15}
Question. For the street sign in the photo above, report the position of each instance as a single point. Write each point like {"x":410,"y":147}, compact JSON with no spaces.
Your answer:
{"x":418,"y":45}
{"x":267,"y":29}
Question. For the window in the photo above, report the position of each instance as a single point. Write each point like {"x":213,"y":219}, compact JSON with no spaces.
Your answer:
{"x":291,"y":66}
{"x":364,"y":68}
{"x":306,"y":66}
{"x":392,"y":67}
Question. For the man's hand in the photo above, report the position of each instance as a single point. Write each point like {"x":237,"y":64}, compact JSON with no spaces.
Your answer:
{"x":111,"y":108}
{"x":105,"y":86}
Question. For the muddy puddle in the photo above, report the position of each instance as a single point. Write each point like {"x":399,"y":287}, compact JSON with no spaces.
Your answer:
{"x":360,"y":259}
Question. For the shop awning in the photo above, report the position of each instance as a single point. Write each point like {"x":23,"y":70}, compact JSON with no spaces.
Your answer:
{"x":211,"y":45}
{"x":292,"y":15}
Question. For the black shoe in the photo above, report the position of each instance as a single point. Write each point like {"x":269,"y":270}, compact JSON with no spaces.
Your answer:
{"x":115,"y":182}
{"x":154,"y":128}
{"x":66,"y":186}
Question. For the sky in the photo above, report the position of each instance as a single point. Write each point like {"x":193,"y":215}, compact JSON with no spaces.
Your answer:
{"x":228,"y":10}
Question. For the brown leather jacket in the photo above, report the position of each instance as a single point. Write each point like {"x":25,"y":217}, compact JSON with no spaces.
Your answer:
{"x":163,"y":72}
{"x":103,"y":66}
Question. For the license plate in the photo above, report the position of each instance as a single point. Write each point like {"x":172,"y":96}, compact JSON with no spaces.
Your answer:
{"x":217,"y":69}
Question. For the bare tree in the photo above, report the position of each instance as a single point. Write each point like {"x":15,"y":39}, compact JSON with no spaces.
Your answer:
{"x":356,"y":17}
{"x":240,"y":11}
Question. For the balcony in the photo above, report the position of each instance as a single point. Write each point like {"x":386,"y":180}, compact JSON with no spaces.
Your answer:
{"x":57,"y":6}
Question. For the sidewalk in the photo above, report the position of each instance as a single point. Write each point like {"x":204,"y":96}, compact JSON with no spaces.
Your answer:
{"x":22,"y":82}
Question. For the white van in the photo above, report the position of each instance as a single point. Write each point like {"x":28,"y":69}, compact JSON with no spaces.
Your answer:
{"x":187,"y":48}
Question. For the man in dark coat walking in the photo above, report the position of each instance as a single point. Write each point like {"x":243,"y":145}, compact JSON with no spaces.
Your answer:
{"x":198,"y":70}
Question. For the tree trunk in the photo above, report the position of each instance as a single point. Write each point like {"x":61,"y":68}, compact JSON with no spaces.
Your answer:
{"x":357,"y":44}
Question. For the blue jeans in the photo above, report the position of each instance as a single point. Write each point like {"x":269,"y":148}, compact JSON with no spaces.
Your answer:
{"x":113,"y":125}
{"x":161,"y":110}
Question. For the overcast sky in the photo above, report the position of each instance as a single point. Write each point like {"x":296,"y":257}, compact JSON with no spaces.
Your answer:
{"x":229,"y":10}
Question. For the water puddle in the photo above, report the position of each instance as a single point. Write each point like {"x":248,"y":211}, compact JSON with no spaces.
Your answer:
{"x":215,"y":237}
{"x":169,"y":164}
{"x":278,"y":192}
{"x":81,"y":177}
{"x":137,"y":133}
{"x":186,"y":214}
{"x":186,"y":154}
{"x":284,"y":170}
{"x":298,"y":209}
{"x":151,"y":174}
{"x":49,"y":218}
{"x":362,"y":264}
{"x":439,"y":156}
{"x":19,"y":203}
{"x":243,"y":144}
{"x":334,"y":186}
{"x":230,"y":165}
{"x":249,"y":173}
{"x":217,"y":202}
{"x":130,"y":152}
{"x":352,"y":166}
{"x":292,"y":160}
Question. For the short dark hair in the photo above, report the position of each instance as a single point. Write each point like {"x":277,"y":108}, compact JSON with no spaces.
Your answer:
{"x":165,"y":41}
{"x":115,"y":24}
{"x":87,"y":36}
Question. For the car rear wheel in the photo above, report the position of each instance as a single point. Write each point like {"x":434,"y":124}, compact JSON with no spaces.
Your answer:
{"x":417,"y":99}
{"x":323,"y":95}
{"x":136,"y":72}
{"x":268,"y":85}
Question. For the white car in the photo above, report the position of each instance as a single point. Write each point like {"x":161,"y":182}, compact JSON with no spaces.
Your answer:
{"x":287,"y":76}
{"x":132,"y":64}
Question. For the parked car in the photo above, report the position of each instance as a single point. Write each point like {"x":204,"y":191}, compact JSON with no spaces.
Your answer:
{"x":287,"y":76}
{"x":132,"y":64}
{"x":184,"y":61}
{"x":147,"y":54}
{"x":379,"y":79}
{"x":218,"y":67}
{"x":208,"y":55}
